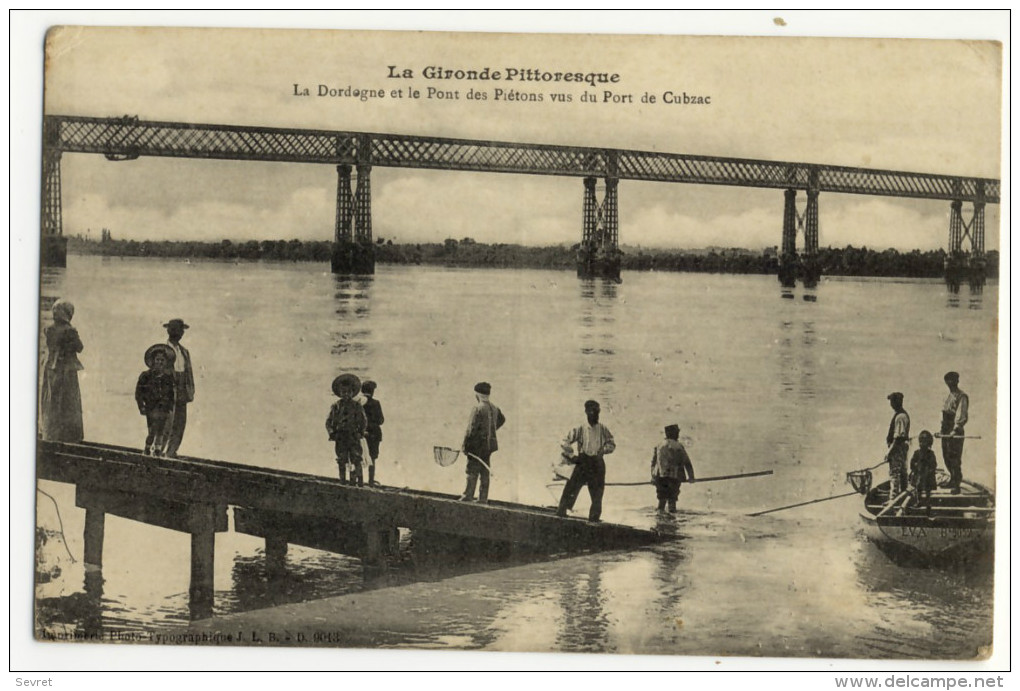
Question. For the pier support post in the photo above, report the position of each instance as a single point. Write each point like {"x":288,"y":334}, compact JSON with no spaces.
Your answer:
{"x":276,"y":555}
{"x":810,"y":269}
{"x":598,"y":255}
{"x":788,"y":249}
{"x":53,"y":244}
{"x":353,"y":250}
{"x":95,"y":527}
{"x":203,"y":552}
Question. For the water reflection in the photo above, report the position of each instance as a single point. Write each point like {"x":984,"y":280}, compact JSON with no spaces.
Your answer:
{"x":353,"y":308}
{"x":597,"y":334}
{"x":919,"y":600}
{"x":585,"y":626}
{"x":798,"y":359}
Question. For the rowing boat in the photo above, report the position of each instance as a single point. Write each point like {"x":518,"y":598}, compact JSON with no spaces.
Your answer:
{"x":955,"y":522}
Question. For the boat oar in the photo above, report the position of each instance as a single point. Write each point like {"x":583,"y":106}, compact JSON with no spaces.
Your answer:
{"x":954,"y":436}
{"x":891,"y":505}
{"x":803,"y":503}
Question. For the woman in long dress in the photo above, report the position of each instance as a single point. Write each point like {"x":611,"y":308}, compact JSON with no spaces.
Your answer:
{"x":60,"y":396}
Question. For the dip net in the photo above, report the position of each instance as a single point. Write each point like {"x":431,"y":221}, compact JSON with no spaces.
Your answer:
{"x":860,"y":480}
{"x":445,"y":456}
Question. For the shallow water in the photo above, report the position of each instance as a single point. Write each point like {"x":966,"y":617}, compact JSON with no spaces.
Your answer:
{"x":757,"y":379}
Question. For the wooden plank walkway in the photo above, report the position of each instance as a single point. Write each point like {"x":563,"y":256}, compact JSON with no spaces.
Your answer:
{"x":192,"y":495}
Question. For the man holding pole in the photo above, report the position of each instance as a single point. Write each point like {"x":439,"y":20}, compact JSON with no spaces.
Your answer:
{"x":480,"y":442}
{"x":670,"y":466}
{"x":954,"y":417}
{"x":898,"y":440}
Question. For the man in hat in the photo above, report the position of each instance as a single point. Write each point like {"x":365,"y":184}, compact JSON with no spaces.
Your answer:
{"x":954,"y":417}
{"x":480,"y":443}
{"x":898,"y":441}
{"x":670,"y":466}
{"x":593,"y":441}
{"x":185,"y":381}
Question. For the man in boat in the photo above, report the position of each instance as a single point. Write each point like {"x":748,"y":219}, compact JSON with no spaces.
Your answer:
{"x":670,"y":466}
{"x":593,"y":441}
{"x":954,"y":417}
{"x":898,"y":440}
{"x":480,"y":442}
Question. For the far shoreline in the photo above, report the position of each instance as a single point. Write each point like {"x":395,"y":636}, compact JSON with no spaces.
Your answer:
{"x":850,"y":262}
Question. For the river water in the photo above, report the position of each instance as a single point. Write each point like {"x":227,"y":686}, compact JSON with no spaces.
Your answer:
{"x":757,"y":378}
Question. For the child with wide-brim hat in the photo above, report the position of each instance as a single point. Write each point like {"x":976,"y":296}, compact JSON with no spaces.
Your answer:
{"x":346,"y":426}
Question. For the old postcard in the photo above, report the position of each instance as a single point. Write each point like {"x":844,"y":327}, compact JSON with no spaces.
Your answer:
{"x":667,"y":345}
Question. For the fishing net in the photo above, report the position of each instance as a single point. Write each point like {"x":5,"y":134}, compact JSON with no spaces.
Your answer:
{"x":860,"y":480}
{"x":445,"y":456}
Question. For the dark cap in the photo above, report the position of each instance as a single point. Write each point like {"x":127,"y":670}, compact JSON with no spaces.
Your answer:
{"x":483,"y":387}
{"x":591,"y":403}
{"x":926,"y":436}
{"x":952,"y":376}
{"x":368,"y":386}
{"x":167,"y":351}
{"x":348,"y":382}
{"x":672,"y":431}
{"x":175,"y":322}
{"x":895,"y":396}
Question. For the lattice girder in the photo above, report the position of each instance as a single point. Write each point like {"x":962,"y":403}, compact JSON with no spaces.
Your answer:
{"x":129,"y":138}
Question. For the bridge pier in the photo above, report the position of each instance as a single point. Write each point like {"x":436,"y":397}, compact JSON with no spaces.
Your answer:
{"x":353,"y":251}
{"x":961,"y":264}
{"x":805,"y":265}
{"x":598,"y":255}
{"x":53,"y":244}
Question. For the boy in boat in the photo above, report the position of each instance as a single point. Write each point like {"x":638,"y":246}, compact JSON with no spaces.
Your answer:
{"x":346,"y":426}
{"x":922,"y":470}
{"x":670,"y":466}
{"x":156,"y":395}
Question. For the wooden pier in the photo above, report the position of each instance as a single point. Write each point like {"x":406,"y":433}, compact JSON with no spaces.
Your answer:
{"x":192,"y":495}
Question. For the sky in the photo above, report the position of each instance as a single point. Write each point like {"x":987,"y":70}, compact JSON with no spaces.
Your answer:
{"x":916,"y":105}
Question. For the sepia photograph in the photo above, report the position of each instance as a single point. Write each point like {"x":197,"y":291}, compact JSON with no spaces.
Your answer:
{"x":668,"y":347}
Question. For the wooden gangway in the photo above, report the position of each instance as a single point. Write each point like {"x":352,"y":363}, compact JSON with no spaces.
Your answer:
{"x":192,"y":495}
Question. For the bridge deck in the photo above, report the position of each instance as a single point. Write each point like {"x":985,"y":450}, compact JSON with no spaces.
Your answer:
{"x":128,"y":138}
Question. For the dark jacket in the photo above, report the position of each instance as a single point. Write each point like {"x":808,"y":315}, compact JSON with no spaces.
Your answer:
{"x":155,"y":392}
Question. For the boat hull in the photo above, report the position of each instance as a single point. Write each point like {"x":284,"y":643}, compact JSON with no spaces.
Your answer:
{"x":956,"y":522}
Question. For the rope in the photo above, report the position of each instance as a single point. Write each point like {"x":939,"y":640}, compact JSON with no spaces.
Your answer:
{"x":61,"y":523}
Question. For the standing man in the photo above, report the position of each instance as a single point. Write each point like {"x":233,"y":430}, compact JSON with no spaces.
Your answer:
{"x":593,"y":441}
{"x":373,"y":433}
{"x":898,"y":440}
{"x":184,"y":379}
{"x":480,"y":442}
{"x":954,"y":417}
{"x":670,"y":466}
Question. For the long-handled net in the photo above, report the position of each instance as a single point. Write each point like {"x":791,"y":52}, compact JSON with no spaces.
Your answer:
{"x":445,"y":456}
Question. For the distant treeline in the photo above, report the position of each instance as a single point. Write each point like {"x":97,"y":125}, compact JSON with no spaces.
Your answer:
{"x":846,"y":261}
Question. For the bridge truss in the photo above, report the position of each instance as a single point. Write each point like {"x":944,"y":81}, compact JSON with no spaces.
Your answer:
{"x":128,"y":138}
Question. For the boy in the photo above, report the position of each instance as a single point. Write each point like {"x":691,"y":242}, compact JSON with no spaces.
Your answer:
{"x":155,"y":394}
{"x":346,"y":425}
{"x":373,"y":433}
{"x":922,"y":470}
{"x":670,"y":466}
